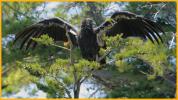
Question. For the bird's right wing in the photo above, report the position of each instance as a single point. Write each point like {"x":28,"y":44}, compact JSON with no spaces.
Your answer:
{"x":131,"y":25}
{"x":55,"y":28}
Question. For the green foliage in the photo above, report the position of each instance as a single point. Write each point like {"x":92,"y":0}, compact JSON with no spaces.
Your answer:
{"x":44,"y":39}
{"x":114,"y":42}
{"x":148,"y":52}
{"x":34,"y":69}
{"x":122,"y":66}
{"x":59,"y":64}
{"x":84,"y":67}
{"x":143,"y":58}
{"x":16,"y":79}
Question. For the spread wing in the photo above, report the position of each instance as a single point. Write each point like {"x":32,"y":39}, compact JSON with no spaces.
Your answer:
{"x":130,"y":24}
{"x":55,"y":28}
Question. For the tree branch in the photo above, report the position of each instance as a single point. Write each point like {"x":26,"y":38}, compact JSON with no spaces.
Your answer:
{"x":61,"y":47}
{"x":159,"y":11}
{"x":102,"y":57}
{"x":94,"y":92}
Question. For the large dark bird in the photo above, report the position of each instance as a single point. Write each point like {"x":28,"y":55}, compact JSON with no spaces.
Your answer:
{"x":86,"y":39}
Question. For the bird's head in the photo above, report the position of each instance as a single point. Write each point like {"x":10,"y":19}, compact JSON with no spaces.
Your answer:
{"x":87,"y":23}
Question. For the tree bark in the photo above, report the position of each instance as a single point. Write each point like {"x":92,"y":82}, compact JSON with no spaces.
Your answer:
{"x":77,"y":89}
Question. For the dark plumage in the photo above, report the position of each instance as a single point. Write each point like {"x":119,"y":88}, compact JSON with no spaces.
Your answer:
{"x":126,"y":23}
{"x":87,"y":40}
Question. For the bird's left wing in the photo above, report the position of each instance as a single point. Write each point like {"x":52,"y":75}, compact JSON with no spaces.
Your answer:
{"x":130,"y":24}
{"x":55,"y":28}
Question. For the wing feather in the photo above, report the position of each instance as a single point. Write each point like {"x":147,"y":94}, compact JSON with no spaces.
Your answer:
{"x":22,"y":34}
{"x":26,"y":37}
{"x":30,"y":41}
{"x":154,"y":30}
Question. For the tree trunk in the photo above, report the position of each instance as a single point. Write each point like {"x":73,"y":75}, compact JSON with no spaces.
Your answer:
{"x":77,"y":89}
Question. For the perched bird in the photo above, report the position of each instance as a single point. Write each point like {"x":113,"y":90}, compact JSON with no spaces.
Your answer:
{"x":129,"y":24}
